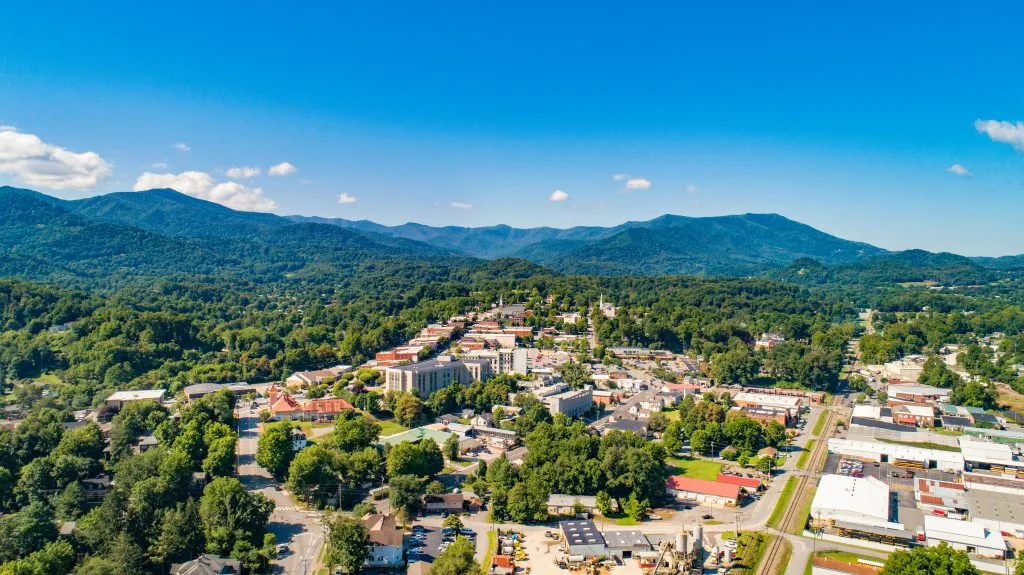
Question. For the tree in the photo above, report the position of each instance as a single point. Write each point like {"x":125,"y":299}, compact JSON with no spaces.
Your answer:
{"x":604,"y":502}
{"x":672,"y":438}
{"x":405,"y":493}
{"x":275,"y":450}
{"x":575,"y":375}
{"x":527,"y":503}
{"x":765,"y":464}
{"x":69,"y":504}
{"x":451,"y":448}
{"x":313,"y":473}
{"x":774,"y":434}
{"x":181,"y":535}
{"x":457,"y":559}
{"x":348,"y":543}
{"x":407,"y":409}
{"x":452,"y":522}
{"x":96,"y":565}
{"x":738,"y":365}
{"x":636,"y":508}
{"x":939,"y":560}
{"x":220,"y":457}
{"x":55,"y":557}
{"x":353,"y":432}
{"x":435,"y":487}
{"x":230,"y":513}
{"x":26,"y":531}
{"x":423,"y":459}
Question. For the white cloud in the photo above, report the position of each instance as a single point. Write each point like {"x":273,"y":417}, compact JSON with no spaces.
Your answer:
{"x":243,"y":172}
{"x":8,"y":128}
{"x":958,"y":170}
{"x":36,"y":163}
{"x":692,"y":188}
{"x":282,"y":169}
{"x":462,"y":205}
{"x":344,"y":198}
{"x":558,"y":196}
{"x":1005,"y":132}
{"x":638,"y":184}
{"x":202,"y":185}
{"x":182,"y":147}
{"x":159,"y":165}
{"x":619,"y":177}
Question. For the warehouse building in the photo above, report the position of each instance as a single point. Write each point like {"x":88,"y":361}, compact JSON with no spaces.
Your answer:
{"x":900,"y":455}
{"x":862,"y":501}
{"x":965,"y":536}
{"x":998,"y":457}
{"x":713,"y":493}
{"x":582,"y":538}
{"x":625,"y":544}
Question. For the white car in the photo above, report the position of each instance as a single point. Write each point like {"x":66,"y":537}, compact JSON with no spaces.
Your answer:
{"x":731,"y":543}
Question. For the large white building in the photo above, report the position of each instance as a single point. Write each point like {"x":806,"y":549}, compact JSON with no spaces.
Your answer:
{"x":502,"y":360}
{"x":429,"y":376}
{"x":572,"y":403}
{"x":119,"y":398}
{"x":857,"y":500}
{"x":877,"y":451}
{"x":964,"y":536}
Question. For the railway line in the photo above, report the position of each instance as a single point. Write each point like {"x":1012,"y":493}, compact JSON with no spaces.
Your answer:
{"x":774,"y":551}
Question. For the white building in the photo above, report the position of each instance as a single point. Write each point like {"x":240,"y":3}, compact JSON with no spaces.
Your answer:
{"x":857,"y":500}
{"x":906,"y":369}
{"x":964,"y":536}
{"x":877,"y":451}
{"x":502,"y":360}
{"x":748,"y":399}
{"x":572,"y":403}
{"x":978,"y":452}
{"x":119,"y":398}
{"x":385,"y":541}
{"x":429,"y":376}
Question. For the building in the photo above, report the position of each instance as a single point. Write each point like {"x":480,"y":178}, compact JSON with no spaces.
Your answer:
{"x":303,"y":378}
{"x":978,"y":453}
{"x":625,"y":544}
{"x":299,"y":440}
{"x":560,"y":504}
{"x":119,"y":398}
{"x":446,"y":503}
{"x":496,"y":436}
{"x":429,"y":376}
{"x":793,"y":403}
{"x":910,"y":414}
{"x":713,"y":493}
{"x":582,"y":538}
{"x":924,"y":394}
{"x":399,"y":355}
{"x":965,"y":536}
{"x":208,"y":564}
{"x":907,"y":369}
{"x":750,"y":484}
{"x":942,"y":498}
{"x":905,"y":455}
{"x":573,"y":403}
{"x":503,"y":360}
{"x":144,"y":444}
{"x":606,"y":396}
{"x":639,"y":353}
{"x":284,"y":406}
{"x":196,"y":391}
{"x":769,"y":340}
{"x":628,"y":425}
{"x":385,"y":541}
{"x":861,"y":501}
{"x":765,"y":414}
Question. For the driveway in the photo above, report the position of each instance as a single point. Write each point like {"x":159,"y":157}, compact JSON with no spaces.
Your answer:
{"x":296,"y":527}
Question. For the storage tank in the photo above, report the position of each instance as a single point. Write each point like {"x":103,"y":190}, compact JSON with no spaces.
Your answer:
{"x":698,"y":537}
{"x":681,"y":542}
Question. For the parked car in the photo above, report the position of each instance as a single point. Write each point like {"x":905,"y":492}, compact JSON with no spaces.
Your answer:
{"x":706,"y":516}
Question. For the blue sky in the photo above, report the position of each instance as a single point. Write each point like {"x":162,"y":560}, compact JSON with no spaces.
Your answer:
{"x":847,"y":117}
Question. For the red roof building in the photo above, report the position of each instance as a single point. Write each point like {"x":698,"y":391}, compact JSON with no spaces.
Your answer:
{"x":714,"y":493}
{"x":326,"y":409}
{"x":749,"y":483}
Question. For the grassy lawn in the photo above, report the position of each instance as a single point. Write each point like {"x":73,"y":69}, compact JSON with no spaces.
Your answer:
{"x":695,"y":468}
{"x":921,"y":444}
{"x":389,"y":427}
{"x":627,"y":521}
{"x":783,"y":503}
{"x":785,"y":555}
{"x":50,"y":378}
{"x":751,"y":547}
{"x":801,"y":461}
{"x":819,"y":425}
{"x":671,"y":414}
{"x":492,"y":546}
{"x":308,"y":426}
{"x":804,"y":509}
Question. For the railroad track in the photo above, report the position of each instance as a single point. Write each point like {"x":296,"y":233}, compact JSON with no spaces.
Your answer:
{"x":773,"y":553}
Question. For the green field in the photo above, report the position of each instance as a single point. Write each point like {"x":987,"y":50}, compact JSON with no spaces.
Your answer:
{"x":50,"y":378}
{"x":805,"y":455}
{"x":783,"y":503}
{"x":695,"y":468}
{"x":818,"y":425}
{"x":389,"y":427}
{"x":804,"y":507}
{"x":750,"y":551}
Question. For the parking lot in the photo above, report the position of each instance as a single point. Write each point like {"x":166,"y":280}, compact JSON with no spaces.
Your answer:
{"x":884,"y":472}
{"x":426,"y":543}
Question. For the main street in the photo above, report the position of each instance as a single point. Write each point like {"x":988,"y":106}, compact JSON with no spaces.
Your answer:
{"x":293,"y":526}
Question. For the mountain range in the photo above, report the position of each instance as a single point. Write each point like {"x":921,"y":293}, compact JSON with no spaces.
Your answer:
{"x":163,"y":231}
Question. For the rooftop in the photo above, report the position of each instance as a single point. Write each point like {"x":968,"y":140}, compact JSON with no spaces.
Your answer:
{"x":581,"y":532}
{"x":626,"y":539}
{"x":862,"y":500}
{"x":963,"y":532}
{"x":137,"y":395}
{"x":702,"y":486}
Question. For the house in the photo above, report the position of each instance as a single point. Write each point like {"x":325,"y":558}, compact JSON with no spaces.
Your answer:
{"x":299,"y":440}
{"x":713,"y":493}
{"x":559,"y":504}
{"x":629,"y":425}
{"x":96,"y":487}
{"x":769,"y":340}
{"x":208,"y":564}
{"x":909,"y":414}
{"x":119,"y":398}
{"x":316,"y":377}
{"x":446,"y":503}
{"x":385,"y":541}
{"x":145,"y":443}
{"x":483,"y":420}
{"x":470,"y":445}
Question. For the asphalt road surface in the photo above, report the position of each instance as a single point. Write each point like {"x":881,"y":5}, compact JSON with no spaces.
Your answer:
{"x":299,"y":529}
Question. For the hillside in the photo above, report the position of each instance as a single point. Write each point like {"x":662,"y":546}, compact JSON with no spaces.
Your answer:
{"x":725,"y":245}
{"x":911,"y":266}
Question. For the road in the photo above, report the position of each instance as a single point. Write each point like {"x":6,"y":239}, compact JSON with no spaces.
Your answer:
{"x":300,"y":529}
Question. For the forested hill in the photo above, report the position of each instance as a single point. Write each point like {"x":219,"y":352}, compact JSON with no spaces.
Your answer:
{"x":724,"y":245}
{"x":111,"y":240}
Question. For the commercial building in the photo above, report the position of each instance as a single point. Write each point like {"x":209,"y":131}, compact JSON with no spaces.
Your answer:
{"x":905,"y":455}
{"x":906,"y":369}
{"x":399,"y":355}
{"x":793,"y":403}
{"x":978,"y":453}
{"x":582,"y":538}
{"x":573,"y":403}
{"x":316,"y":377}
{"x":924,"y":394}
{"x":862,"y":501}
{"x":625,"y":544}
{"x":119,"y":398}
{"x":426,"y":377}
{"x":284,"y":406}
{"x":561,"y":504}
{"x":766,"y":414}
{"x":713,"y":493}
{"x":964,"y":535}
{"x":639,"y":353}
{"x":750,"y":484}
{"x":942,"y":498}
{"x":917,"y":415}
{"x":503,"y":360}
{"x":194,"y":392}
